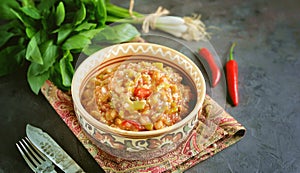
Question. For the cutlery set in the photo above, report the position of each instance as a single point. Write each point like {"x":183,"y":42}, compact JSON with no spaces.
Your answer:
{"x":40,"y":151}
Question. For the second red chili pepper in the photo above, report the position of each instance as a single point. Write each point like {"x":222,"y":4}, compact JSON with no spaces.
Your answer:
{"x":215,"y":71}
{"x":232,"y":77}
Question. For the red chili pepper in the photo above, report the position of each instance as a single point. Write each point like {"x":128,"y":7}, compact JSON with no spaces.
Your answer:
{"x":142,"y":92}
{"x":215,"y":70}
{"x":136,"y":125}
{"x":232,"y":77}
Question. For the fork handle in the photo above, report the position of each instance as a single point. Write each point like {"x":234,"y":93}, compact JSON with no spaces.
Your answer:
{"x":46,"y":166}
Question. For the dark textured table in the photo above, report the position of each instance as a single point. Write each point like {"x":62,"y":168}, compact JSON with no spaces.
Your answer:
{"x":268,"y":52}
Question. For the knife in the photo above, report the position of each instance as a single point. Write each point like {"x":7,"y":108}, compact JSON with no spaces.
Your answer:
{"x":52,"y":150}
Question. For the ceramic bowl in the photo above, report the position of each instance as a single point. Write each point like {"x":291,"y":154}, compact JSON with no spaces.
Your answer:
{"x":141,"y":145}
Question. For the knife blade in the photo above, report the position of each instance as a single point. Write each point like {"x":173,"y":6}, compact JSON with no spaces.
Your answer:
{"x":52,"y":150}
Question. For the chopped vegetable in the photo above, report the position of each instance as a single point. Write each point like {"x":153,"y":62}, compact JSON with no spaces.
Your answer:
{"x":139,"y":105}
{"x":142,"y":93}
{"x":215,"y":70}
{"x":128,"y":124}
{"x":159,"y":65}
{"x":232,"y":77}
{"x":149,"y":126}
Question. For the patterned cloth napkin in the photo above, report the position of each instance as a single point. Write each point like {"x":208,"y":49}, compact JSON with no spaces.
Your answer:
{"x":216,"y":131}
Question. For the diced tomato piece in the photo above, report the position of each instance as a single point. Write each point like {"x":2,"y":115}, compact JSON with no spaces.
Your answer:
{"x":136,"y":125}
{"x":142,"y":93}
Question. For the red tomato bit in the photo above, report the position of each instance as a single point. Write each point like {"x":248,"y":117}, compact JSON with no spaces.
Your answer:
{"x":142,"y":93}
{"x":131,"y":123}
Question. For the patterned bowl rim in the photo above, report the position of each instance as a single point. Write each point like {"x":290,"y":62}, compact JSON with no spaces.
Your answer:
{"x":76,"y":85}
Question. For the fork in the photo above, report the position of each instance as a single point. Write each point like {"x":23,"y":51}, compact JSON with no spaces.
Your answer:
{"x":36,"y":160}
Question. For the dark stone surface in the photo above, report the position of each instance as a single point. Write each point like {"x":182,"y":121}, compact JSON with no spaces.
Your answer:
{"x":268,"y":52}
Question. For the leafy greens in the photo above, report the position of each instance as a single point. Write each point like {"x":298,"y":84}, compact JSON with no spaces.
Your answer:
{"x":49,"y":34}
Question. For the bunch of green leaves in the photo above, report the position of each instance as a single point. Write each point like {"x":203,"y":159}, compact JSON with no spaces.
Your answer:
{"x":49,"y":34}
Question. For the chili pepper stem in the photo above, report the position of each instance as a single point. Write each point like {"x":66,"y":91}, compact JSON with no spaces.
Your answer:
{"x":231,"y":51}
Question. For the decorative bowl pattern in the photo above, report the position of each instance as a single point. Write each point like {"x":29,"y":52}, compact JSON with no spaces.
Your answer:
{"x":144,"y":144}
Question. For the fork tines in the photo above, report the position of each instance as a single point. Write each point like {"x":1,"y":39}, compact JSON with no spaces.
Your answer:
{"x":33,"y":157}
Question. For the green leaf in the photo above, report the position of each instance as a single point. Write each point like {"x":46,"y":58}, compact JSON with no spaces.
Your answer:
{"x":117,"y":34}
{"x":101,"y":13}
{"x":60,"y":13}
{"x":36,"y":81}
{"x":91,"y":33}
{"x":28,"y":3}
{"x":27,"y":21}
{"x":46,"y":9}
{"x":85,"y":26}
{"x":33,"y":53}
{"x":5,"y":36}
{"x":55,"y":76}
{"x":50,"y":54}
{"x":125,"y":32}
{"x":111,"y":35}
{"x":45,"y":5}
{"x":5,"y":7}
{"x":80,"y":15}
{"x":31,"y":12}
{"x":11,"y":58}
{"x":9,"y":25}
{"x":63,"y":32}
{"x":30,"y":32}
{"x":89,"y":50}
{"x":78,"y":41}
{"x":41,"y":36}
{"x":66,"y":69}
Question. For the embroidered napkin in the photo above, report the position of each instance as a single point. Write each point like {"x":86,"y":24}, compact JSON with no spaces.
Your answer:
{"x":216,"y":131}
